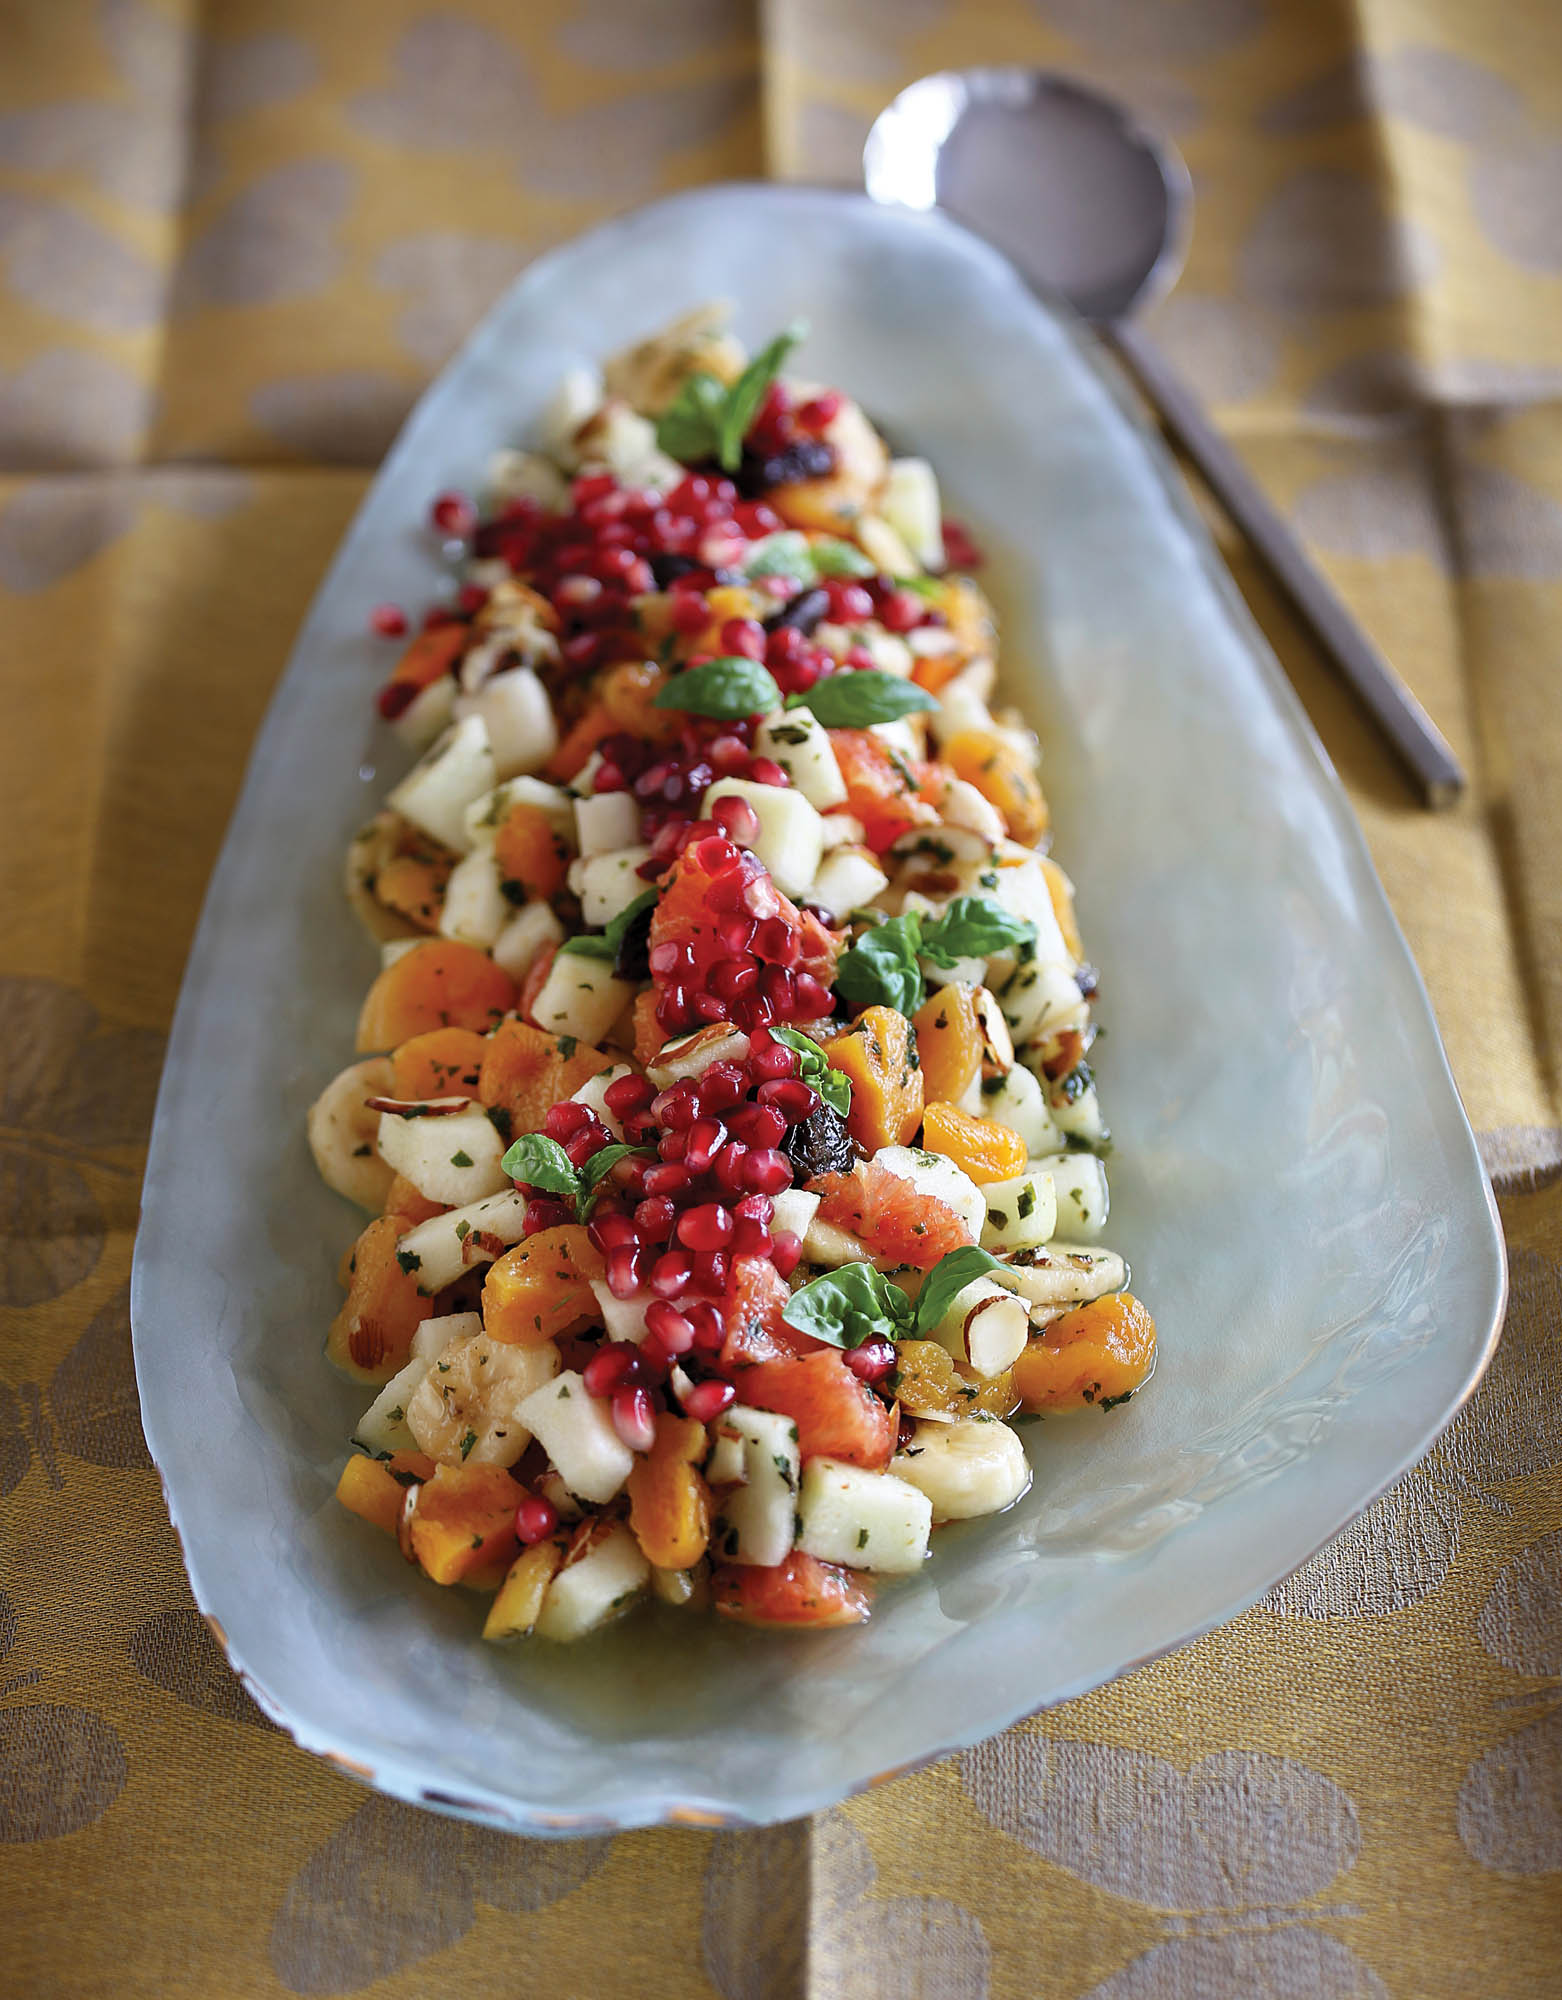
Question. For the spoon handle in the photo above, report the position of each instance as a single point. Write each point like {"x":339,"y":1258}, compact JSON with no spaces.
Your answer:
{"x":1403,"y":720}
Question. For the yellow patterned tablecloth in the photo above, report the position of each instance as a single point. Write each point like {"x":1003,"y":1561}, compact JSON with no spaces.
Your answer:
{"x":235,"y":238}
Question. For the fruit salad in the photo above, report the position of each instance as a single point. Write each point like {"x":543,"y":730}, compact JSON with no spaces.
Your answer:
{"x":723,"y":1104}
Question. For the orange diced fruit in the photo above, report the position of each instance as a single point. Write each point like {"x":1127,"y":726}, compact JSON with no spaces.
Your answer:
{"x":799,"y":1591}
{"x":464,"y":1521}
{"x":439,"y":983}
{"x":369,"y":1489}
{"x":518,"y":1606}
{"x":949,"y":1043}
{"x":526,"y":1071}
{"x":371,"y":1337}
{"x":530,"y":852}
{"x":444,"y":1062}
{"x":669,"y":1503}
{"x":836,"y":1413}
{"x":980,"y":1147}
{"x":878,"y":1053}
{"x":541,"y":1287}
{"x":1004,"y":777}
{"x":1098,"y":1353}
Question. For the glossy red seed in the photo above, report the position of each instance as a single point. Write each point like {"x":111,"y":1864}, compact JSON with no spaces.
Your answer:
{"x":794,"y":1099}
{"x":733,"y":978}
{"x":721,"y":1086}
{"x":690,"y":613}
{"x":707,"y":1400}
{"x":625,"y":1269}
{"x":667,"y":1179}
{"x":672,"y":1274}
{"x":709,"y":1333}
{"x":756,"y":1208}
{"x":737,"y":819}
{"x":767,"y":1172}
{"x":609,"y":1232}
{"x":634,"y":1418}
{"x":727,"y":1171}
{"x":654,"y":1219}
{"x":672,"y":1146}
{"x":583,"y":1145}
{"x":757,"y":1125}
{"x":872,"y":1361}
{"x":677,"y":1107}
{"x":610,"y":1368}
{"x":750,"y":1239}
{"x":710,"y":1271}
{"x":821,"y":410}
{"x":535,"y":1519}
{"x":707,"y":1136}
{"x":900,"y":611}
{"x":543,"y":1212}
{"x":849,"y":602}
{"x":565,"y":1120}
{"x":776,"y":941}
{"x":786,"y":1251}
{"x":628,"y":1093}
{"x":708,"y":1227}
{"x":389,"y":620}
{"x":453,"y":514}
{"x":810,"y":996}
{"x":766,"y":771}
{"x":736,"y":933}
{"x":769,"y":1060}
{"x":675,"y":1330}
{"x":744,"y":637}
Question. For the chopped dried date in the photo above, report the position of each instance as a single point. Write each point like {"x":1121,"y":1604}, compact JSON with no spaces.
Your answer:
{"x":820,"y":1144}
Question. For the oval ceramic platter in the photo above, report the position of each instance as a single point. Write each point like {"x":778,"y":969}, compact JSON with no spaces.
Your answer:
{"x":1295,"y":1181}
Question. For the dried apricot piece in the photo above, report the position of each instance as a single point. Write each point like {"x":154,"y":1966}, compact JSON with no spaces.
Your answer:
{"x":949,"y":1042}
{"x":439,"y":983}
{"x":1004,"y":778}
{"x":526,"y":1071}
{"x":445,"y":1062}
{"x":879,"y":1054}
{"x":669,"y":1503}
{"x":1098,"y":1353}
{"x":464,"y":1520}
{"x":541,"y":1287}
{"x":531,"y":854}
{"x":980,"y":1147}
{"x":371,"y":1336}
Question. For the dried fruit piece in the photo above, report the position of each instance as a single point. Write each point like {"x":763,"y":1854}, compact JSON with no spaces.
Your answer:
{"x":879,"y":1055}
{"x":371,"y":1336}
{"x":949,"y":1042}
{"x":980,"y":1147}
{"x":541,"y":1288}
{"x":464,"y":1521}
{"x":530,"y":852}
{"x":526,"y":1071}
{"x":1004,"y":777}
{"x":1098,"y":1353}
{"x":669,"y":1503}
{"x":928,"y":1379}
{"x":445,"y":1062}
{"x":439,"y":983}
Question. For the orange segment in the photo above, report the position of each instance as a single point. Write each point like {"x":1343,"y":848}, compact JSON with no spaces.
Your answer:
{"x":881,"y":787}
{"x":879,"y":1055}
{"x":542,"y":1286}
{"x":836,"y":1413}
{"x":800,"y":1591}
{"x":1097,"y":1353}
{"x":980,"y":1147}
{"x":439,"y":983}
{"x":903,"y":1225}
{"x":1061,"y":890}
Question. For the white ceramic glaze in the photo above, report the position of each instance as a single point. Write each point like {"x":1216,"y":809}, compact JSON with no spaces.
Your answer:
{"x":1294,"y":1179}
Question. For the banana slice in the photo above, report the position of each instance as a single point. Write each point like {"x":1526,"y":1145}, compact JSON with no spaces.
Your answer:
{"x":975,"y":1466}
{"x":464,"y":1410}
{"x":343,"y":1134}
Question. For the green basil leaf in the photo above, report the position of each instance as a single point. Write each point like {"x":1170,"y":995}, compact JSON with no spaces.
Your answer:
{"x":607,"y":944}
{"x":881,"y":969}
{"x":748,"y":392}
{"x":949,"y":1276}
{"x":849,"y":1306}
{"x":689,"y":429}
{"x":815,"y":1069}
{"x":929,"y":588}
{"x":541,"y":1162}
{"x":973,"y":927}
{"x":785,"y":553}
{"x":853,"y":700}
{"x":833,"y":558}
{"x":728,"y":687}
{"x":590,"y":944}
{"x":596,"y":1169}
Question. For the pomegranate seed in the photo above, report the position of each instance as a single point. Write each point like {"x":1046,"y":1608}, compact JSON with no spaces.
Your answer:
{"x":821,"y":410}
{"x":565,"y":1120}
{"x":900,"y":611}
{"x":654,"y":1219}
{"x":610,"y":1368}
{"x":535,"y":1519}
{"x":766,"y":771}
{"x":395,"y":698}
{"x":959,"y":550}
{"x":612,"y":1232}
{"x":471,"y":598}
{"x":786,"y":1251}
{"x":728,"y":755}
{"x":794,"y":1099}
{"x":736,"y":933}
{"x":690,"y":613}
{"x":777,"y":941}
{"x":849,"y":602}
{"x":453,"y":514}
{"x":777,"y":986}
{"x":733,"y":978}
{"x":770,"y":1060}
{"x":758,"y":1125}
{"x":751,"y":1239}
{"x":628,"y":1093}
{"x":710,"y":1008}
{"x":710,"y":1271}
{"x":872,"y":1361}
{"x":672,"y":1274}
{"x":728,"y":1170}
{"x":389,"y":620}
{"x":677,"y":1107}
{"x":767,"y":1172}
{"x":761,"y":898}
{"x":744,"y":637}
{"x":810,"y":996}
{"x":672,"y":1328}
{"x":708,"y":1399}
{"x":634,"y":1419}
{"x":721,"y":1086}
{"x":706,"y":1138}
{"x":672,"y":1146}
{"x":756,"y":1208}
{"x":709,"y":1334}
{"x":707,"y":1227}
{"x":583,"y":1145}
{"x":667,"y":1179}
{"x":625,"y":1266}
{"x":543,"y":1212}
{"x":654,"y":1358}
{"x":669,"y":957}
{"x":737,"y":819}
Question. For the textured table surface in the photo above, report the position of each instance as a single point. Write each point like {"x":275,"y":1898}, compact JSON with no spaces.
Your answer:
{"x":235,"y":239}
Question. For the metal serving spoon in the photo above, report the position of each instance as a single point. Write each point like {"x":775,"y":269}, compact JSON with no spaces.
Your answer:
{"x":1087,"y":204}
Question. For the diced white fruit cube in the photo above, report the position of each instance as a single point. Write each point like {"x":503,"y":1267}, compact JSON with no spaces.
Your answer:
{"x":624,"y":1319}
{"x":578,"y":394}
{"x":1083,"y":1198}
{"x":840,"y":829}
{"x":383,"y":1426}
{"x":799,"y":742}
{"x":791,"y":835}
{"x":1040,"y":999}
{"x":962,"y":805}
{"x":486,"y":815}
{"x":429,"y":712}
{"x":518,"y":715}
{"x":595,"y":1587}
{"x":849,"y":879}
{"x":793,"y":1209}
{"x":1022,"y":890}
{"x":438,"y":789}
{"x":932,"y":1174}
{"x":1065,"y":1274}
{"x":467,"y":1410}
{"x":449,"y":1160}
{"x":580,"y":997}
{"x":1021,"y":1212}
{"x":910,"y":503}
{"x":974,"y":1466}
{"x":1019,"y":1103}
{"x":439,"y":1250}
{"x":758,"y":1518}
{"x":884,"y":546}
{"x":1079,"y":1114}
{"x":576,"y":1431}
{"x":726,"y":1464}
{"x":608,"y":883}
{"x":866,"y":1520}
{"x":528,"y":933}
{"x":607,"y":822}
{"x":435,"y":1335}
{"x":986,"y":1325}
{"x":476,"y":908}
{"x":527,"y":475}
{"x":593,"y":1094}
{"x":889,"y":652}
